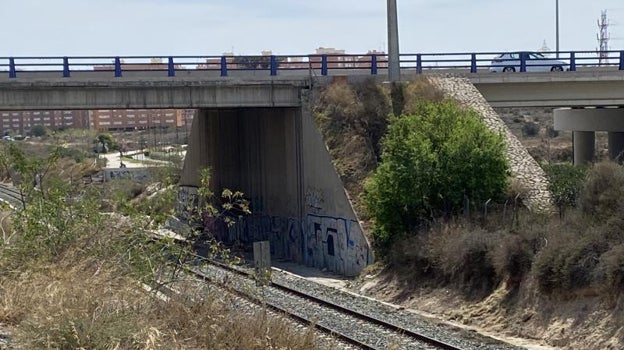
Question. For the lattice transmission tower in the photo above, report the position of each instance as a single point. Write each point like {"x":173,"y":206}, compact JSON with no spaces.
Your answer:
{"x":603,"y":39}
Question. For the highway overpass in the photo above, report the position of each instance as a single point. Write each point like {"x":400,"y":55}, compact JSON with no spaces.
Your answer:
{"x":199,"y":89}
{"x":257,"y":134}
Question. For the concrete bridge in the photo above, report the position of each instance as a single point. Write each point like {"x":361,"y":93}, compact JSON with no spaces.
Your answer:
{"x":198,"y":89}
{"x":257,"y":135}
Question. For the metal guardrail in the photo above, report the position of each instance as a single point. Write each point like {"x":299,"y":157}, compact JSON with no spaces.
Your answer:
{"x":370,"y":63}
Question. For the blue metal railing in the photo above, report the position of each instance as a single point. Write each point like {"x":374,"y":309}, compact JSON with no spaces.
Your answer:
{"x":323,"y":64}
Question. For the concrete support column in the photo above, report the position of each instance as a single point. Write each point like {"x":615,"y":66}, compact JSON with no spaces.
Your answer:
{"x":198,"y":153}
{"x":616,"y":145}
{"x":584,"y":147}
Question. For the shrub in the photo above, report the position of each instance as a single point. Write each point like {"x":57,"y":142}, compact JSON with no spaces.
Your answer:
{"x":431,"y":161}
{"x":39,"y":131}
{"x":76,"y":154}
{"x":374,"y":113}
{"x":603,"y":193}
{"x":569,"y":260}
{"x":565,"y":184}
{"x":551,"y":132}
{"x":409,"y":258}
{"x":337,"y":107}
{"x":462,"y":254}
{"x":609,"y":273}
{"x":513,"y":257}
{"x":530,"y":129}
{"x":417,"y":91}
{"x":353,"y":118}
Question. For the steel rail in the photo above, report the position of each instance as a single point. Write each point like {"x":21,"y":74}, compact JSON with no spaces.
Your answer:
{"x":324,"y":303}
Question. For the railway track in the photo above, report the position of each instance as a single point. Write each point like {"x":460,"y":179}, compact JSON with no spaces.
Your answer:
{"x":356,"y":320}
{"x":10,"y":195}
{"x":353,"y":327}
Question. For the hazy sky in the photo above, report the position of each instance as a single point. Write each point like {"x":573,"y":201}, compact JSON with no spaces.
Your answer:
{"x":211,"y":27}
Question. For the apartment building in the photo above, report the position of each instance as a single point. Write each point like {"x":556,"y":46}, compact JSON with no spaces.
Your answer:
{"x":138,"y":119}
{"x":21,"y":122}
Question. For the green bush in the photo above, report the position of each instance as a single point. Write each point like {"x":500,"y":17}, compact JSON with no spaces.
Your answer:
{"x":75,"y":154}
{"x":431,"y":161}
{"x":565,"y":184}
{"x":39,"y":131}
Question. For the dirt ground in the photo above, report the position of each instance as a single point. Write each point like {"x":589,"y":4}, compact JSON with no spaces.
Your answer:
{"x":521,"y":318}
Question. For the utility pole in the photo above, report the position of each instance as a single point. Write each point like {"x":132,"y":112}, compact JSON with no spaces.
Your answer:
{"x":394,"y":70}
{"x":557,"y":27}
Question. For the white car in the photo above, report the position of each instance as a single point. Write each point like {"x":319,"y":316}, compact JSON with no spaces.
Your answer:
{"x":535,"y":62}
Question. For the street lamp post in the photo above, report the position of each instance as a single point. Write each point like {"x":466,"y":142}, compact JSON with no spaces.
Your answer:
{"x":394,"y":70}
{"x":557,"y":27}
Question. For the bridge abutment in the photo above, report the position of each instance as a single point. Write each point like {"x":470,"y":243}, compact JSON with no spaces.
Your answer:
{"x":278,"y":159}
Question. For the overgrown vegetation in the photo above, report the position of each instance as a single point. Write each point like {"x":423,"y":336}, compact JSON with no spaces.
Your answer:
{"x":74,"y":259}
{"x":432,"y":161}
{"x":353,"y":118}
{"x":578,"y":251}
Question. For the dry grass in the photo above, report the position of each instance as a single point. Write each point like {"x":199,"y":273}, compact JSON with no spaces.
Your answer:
{"x":88,"y":297}
{"x":69,"y":306}
{"x":352,"y":119}
{"x":418,"y":90}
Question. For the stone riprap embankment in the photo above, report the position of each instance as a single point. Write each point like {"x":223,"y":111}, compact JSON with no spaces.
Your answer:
{"x":523,"y":167}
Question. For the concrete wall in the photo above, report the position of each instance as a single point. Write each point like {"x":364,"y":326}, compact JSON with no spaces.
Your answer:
{"x":139,"y":174}
{"x":277,"y":157}
{"x":329,"y":214}
{"x":248,"y":149}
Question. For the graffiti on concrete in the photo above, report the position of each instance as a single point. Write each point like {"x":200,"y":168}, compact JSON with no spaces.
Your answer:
{"x":332,"y":243}
{"x":139,"y":174}
{"x":314,"y":199}
{"x":336,"y":244}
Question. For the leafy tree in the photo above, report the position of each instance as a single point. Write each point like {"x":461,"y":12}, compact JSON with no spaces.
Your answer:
{"x":107,"y":142}
{"x":565,"y":184}
{"x":431,"y":161}
{"x":39,"y":131}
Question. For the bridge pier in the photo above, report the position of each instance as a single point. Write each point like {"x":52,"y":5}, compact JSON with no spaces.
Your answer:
{"x":616,"y":145}
{"x":584,"y":122}
{"x":584,"y":147}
